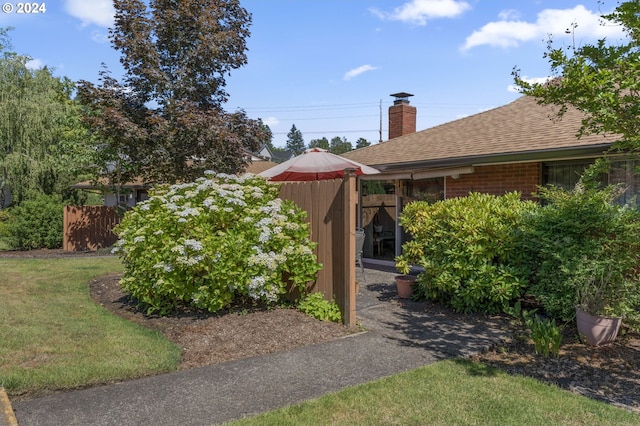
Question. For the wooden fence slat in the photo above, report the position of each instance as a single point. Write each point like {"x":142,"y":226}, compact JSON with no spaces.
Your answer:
{"x":89,"y":227}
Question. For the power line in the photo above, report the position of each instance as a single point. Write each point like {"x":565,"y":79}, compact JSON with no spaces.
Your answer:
{"x":329,"y":131}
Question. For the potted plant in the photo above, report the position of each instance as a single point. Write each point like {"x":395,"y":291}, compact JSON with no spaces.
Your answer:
{"x":404,"y":285}
{"x":605,"y":292}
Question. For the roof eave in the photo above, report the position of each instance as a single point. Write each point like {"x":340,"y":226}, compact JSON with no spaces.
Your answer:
{"x":511,"y":157}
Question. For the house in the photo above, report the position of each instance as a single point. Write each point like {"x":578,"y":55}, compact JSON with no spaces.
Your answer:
{"x":137,"y":190}
{"x":277,"y":156}
{"x":515,"y":147}
{"x":130,"y":194}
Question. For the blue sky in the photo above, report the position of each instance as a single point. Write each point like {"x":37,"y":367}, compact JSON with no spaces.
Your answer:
{"x":328,"y":65}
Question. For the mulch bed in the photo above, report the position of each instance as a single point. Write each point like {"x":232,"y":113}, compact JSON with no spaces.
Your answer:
{"x":609,"y":373}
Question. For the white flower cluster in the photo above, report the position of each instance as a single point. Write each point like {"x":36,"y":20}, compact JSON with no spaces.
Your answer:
{"x":258,"y":290}
{"x":268,"y":260}
{"x":189,"y":211}
{"x":166,"y":267}
{"x":193,"y":244}
{"x":190,"y":261}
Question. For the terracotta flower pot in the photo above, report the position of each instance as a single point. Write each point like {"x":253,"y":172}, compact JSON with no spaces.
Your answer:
{"x":597,"y":330}
{"x":404,"y":285}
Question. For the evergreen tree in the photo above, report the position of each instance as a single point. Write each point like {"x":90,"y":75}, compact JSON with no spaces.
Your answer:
{"x":362,"y":143}
{"x":295,"y":141}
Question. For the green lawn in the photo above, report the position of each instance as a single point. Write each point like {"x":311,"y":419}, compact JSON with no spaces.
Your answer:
{"x":449,"y":393}
{"x":53,"y":336}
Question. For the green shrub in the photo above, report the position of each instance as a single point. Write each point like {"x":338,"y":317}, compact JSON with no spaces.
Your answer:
{"x":4,"y":220}
{"x":470,"y":249}
{"x":580,"y":236}
{"x":36,"y":223}
{"x":316,"y":306}
{"x":206,"y":242}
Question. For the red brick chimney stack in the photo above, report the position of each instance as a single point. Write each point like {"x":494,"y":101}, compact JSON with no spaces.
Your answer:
{"x":402,"y":116}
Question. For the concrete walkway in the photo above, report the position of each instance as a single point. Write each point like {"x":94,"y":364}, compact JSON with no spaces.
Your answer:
{"x":400,"y":335}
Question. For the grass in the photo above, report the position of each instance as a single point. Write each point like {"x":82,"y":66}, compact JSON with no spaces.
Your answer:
{"x":53,"y":336}
{"x":451,"y":392}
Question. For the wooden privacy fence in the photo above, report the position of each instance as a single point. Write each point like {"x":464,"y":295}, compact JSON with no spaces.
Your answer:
{"x":331,"y":212}
{"x":89,"y":227}
{"x":330,"y":207}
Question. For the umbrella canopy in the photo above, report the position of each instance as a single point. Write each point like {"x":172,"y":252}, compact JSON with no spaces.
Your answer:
{"x":315,"y":164}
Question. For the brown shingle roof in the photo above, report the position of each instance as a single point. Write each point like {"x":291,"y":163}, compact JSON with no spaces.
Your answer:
{"x":260,"y":166}
{"x":519,"y":127}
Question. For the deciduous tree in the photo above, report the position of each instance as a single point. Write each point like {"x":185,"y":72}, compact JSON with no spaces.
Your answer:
{"x":602,"y":80}
{"x":340,"y":145}
{"x":362,"y":143}
{"x":322,"y":143}
{"x":41,"y":137}
{"x":165,"y":121}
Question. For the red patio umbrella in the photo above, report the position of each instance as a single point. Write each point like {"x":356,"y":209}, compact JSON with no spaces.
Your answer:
{"x":315,"y":164}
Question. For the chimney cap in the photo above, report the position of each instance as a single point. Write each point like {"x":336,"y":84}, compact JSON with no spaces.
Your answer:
{"x":401,"y":95}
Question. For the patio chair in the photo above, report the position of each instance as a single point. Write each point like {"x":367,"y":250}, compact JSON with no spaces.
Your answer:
{"x":359,"y":248}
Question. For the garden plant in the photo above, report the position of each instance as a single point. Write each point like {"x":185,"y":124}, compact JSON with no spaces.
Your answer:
{"x":584,"y":250}
{"x":470,"y":249}
{"x":207,"y":243}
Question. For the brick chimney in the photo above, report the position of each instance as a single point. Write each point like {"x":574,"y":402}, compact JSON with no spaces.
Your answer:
{"x":402,"y":116}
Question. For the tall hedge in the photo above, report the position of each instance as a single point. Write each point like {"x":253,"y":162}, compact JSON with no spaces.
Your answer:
{"x":471,"y":250}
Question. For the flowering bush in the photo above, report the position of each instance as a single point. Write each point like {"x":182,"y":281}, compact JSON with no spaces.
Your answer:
{"x":204,"y":243}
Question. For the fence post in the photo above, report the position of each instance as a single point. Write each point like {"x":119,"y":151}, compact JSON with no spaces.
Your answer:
{"x":349,"y":267}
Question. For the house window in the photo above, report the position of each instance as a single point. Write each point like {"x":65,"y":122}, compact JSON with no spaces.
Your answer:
{"x":564,"y":174}
{"x":624,"y":172}
{"x":122,"y":199}
{"x":142,"y":195}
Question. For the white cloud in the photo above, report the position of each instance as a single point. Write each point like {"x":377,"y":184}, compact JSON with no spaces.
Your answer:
{"x":271,"y":121}
{"x":357,"y":71}
{"x":96,"y":12}
{"x":531,"y":80}
{"x":510,"y":31}
{"x":420,"y":11}
{"x":34,"y":64}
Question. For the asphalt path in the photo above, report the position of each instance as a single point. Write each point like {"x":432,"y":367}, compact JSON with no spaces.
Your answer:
{"x":399,"y":335}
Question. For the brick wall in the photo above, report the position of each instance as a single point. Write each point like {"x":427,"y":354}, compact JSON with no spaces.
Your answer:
{"x":497,"y":180}
{"x":402,"y":120}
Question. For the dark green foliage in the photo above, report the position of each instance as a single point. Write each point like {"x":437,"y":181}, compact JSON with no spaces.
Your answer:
{"x":362,"y":143}
{"x":340,"y":145}
{"x":578,"y":237}
{"x":168,"y":109}
{"x":319,"y":143}
{"x":295,"y":141}
{"x":36,"y":223}
{"x":470,"y":248}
